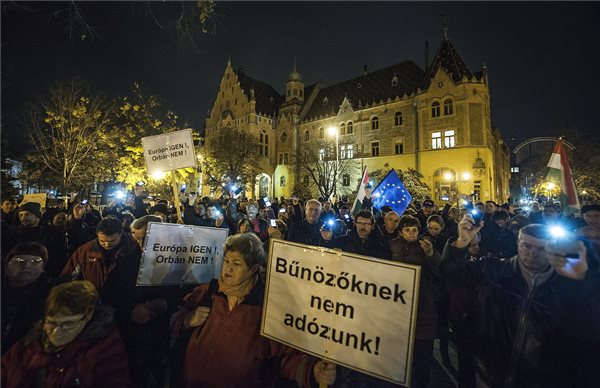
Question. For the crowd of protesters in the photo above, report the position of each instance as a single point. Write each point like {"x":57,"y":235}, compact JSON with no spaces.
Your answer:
{"x":495,"y":282}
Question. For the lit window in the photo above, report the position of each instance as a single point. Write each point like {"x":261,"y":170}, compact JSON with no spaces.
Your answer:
{"x":435,"y":109}
{"x":350,"y":151}
{"x":342,"y":128}
{"x":514,"y":169}
{"x":375,"y":148}
{"x":398,"y":118}
{"x":436,"y":140}
{"x":280,"y":159}
{"x":306,"y":135}
{"x":342,"y":152}
{"x":322,"y":154}
{"x":263,"y":144}
{"x":321,"y":133}
{"x":282,"y":181}
{"x":260,"y":144}
{"x":346,"y":180}
{"x":449,"y":139}
{"x":448,"y":107}
{"x":375,"y":122}
{"x":349,"y":128}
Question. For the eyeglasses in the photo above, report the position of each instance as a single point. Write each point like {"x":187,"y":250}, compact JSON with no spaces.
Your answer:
{"x":65,"y":326}
{"x":22,"y":261}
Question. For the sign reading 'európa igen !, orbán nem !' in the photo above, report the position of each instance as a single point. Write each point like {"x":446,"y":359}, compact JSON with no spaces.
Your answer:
{"x":170,"y":151}
{"x":355,"y":311}
{"x":177,"y":254}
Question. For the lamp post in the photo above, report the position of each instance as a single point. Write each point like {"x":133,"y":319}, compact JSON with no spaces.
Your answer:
{"x":333,"y":131}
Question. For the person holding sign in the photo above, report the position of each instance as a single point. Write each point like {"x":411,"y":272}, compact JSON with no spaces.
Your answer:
{"x":225,"y":347}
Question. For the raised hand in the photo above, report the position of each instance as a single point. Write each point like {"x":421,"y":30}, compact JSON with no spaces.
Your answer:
{"x":467,"y":231}
{"x":572,"y":268}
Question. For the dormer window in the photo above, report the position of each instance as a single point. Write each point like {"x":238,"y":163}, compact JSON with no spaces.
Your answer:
{"x":306,"y":135}
{"x":358,"y":85}
{"x":325,"y":101}
{"x":395,"y":80}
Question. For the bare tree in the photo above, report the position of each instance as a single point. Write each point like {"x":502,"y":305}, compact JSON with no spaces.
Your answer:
{"x":68,"y":130}
{"x":229,"y":155}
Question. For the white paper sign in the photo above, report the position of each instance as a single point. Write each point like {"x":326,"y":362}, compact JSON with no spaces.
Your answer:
{"x":353,"y":310}
{"x":39,"y":198}
{"x":181,"y":254}
{"x":170,"y":151}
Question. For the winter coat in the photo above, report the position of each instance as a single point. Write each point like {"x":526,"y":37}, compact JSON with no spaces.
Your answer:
{"x":544,"y":336}
{"x":306,"y":233}
{"x":96,"y":358}
{"x":22,"y":307}
{"x":371,"y":246}
{"x":228,"y":350}
{"x":410,"y":252}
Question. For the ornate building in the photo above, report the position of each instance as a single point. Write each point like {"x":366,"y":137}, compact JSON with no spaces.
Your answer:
{"x":435,"y":120}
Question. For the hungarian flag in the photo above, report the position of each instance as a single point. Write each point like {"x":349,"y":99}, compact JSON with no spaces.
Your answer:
{"x":361,"y":193}
{"x":559,"y":173}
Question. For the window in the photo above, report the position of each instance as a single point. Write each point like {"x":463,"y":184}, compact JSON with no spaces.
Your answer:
{"x":449,"y":139}
{"x":321,"y":154}
{"x":476,"y":190}
{"x":301,"y":93}
{"x":282,"y":181}
{"x":375,"y":122}
{"x":283,"y":136}
{"x":398,"y":118}
{"x":436,"y":140}
{"x":263,"y":146}
{"x":448,"y":107}
{"x":321,"y":133}
{"x":399,"y":147}
{"x":435,"y":109}
{"x":375,"y":148}
{"x":514,"y":169}
{"x":306,"y":135}
{"x":350,"y":151}
{"x":349,"y":128}
{"x":283,"y":158}
{"x":346,"y":180}
{"x":342,"y":129}
{"x":342,"y":152}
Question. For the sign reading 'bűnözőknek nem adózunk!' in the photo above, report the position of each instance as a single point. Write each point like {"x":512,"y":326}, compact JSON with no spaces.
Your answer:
{"x":352,"y":310}
{"x":170,"y":151}
{"x":177,"y":254}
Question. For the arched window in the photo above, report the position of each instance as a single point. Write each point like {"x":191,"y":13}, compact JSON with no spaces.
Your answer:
{"x":448,"y":107}
{"x":445,"y":185}
{"x":375,"y":122}
{"x":349,"y":128}
{"x":435,"y":109}
{"x":263,"y":144}
{"x":321,"y":133}
{"x":398,"y":118}
{"x":306,"y":135}
{"x":342,"y":129}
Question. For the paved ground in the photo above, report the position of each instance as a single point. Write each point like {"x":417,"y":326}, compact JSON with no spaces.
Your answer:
{"x":444,"y":375}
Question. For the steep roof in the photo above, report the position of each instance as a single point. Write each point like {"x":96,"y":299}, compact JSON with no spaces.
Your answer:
{"x":267,"y":98}
{"x":368,"y":89}
{"x":447,"y":58}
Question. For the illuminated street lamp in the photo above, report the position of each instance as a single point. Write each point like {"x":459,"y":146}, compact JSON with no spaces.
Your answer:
{"x":158,"y":175}
{"x":462,"y":179}
{"x":333,"y":131}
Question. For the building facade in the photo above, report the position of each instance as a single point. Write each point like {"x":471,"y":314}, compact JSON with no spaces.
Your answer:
{"x":435,"y":120}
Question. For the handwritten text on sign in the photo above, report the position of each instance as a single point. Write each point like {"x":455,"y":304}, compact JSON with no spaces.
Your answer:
{"x":353,"y":310}
{"x":181,"y":254}
{"x":170,"y":151}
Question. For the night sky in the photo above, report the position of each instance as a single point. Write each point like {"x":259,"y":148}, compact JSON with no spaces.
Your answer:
{"x":543,"y":58}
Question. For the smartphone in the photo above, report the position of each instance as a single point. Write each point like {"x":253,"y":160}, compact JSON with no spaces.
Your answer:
{"x":235,"y":189}
{"x":267,"y":202}
{"x":328,"y":225}
{"x":282,"y":210}
{"x":477,"y":216}
{"x":140,"y":183}
{"x":274,"y":223}
{"x":85,"y":201}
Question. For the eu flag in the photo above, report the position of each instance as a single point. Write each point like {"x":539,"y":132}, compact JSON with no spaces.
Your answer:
{"x":391,"y":192}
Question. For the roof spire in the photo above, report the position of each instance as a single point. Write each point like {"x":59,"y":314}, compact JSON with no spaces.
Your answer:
{"x":294,"y":62}
{"x":229,"y":61}
{"x":444,"y":26}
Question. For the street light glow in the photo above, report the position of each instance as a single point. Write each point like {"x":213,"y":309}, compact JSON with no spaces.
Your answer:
{"x":448,"y":176}
{"x":332,"y":131}
{"x":466,"y":176}
{"x":158,"y":175}
{"x":550,"y":185}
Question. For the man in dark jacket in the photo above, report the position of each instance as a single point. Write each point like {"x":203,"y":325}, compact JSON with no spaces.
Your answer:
{"x":308,"y":231}
{"x":427,"y":209}
{"x":538,"y":314}
{"x":363,"y":239}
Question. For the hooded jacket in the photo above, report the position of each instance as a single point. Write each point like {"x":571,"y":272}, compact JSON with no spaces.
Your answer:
{"x":96,"y":358}
{"x":543,"y":336}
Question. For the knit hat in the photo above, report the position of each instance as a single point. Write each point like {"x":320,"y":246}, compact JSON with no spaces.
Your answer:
{"x":32,"y":207}
{"x":161,"y":208}
{"x":428,"y":202}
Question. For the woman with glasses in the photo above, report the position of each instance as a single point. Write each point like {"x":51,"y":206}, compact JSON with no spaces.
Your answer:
{"x":25,"y":287}
{"x":76,"y":344}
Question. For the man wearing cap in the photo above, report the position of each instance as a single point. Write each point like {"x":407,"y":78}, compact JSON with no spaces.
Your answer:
{"x":427,"y":209}
{"x":31,"y":229}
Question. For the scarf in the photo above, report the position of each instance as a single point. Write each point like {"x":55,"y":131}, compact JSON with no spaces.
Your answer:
{"x":236,"y":293}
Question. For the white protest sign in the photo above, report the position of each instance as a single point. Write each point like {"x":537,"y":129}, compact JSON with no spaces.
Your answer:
{"x":352,"y":310}
{"x":39,"y":198}
{"x":177,"y":254}
{"x":170,"y":151}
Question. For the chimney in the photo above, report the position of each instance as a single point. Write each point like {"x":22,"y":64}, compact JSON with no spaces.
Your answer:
{"x":365,"y":72}
{"x":426,"y":56}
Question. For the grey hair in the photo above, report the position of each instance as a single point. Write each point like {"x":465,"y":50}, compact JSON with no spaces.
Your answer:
{"x":142,"y":222}
{"x":249,"y":246}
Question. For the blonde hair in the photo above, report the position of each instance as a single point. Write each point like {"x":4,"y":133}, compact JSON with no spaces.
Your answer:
{"x":76,"y":297}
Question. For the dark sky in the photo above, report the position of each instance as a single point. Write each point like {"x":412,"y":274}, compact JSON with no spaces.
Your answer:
{"x":543,"y":58}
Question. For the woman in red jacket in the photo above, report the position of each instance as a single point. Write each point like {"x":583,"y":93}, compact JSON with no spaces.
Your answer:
{"x":76,"y":345}
{"x":225,"y":348}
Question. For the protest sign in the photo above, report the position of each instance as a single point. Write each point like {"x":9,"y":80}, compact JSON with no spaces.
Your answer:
{"x":170,"y":151}
{"x":352,"y":310}
{"x":39,"y":198}
{"x":181,"y":254}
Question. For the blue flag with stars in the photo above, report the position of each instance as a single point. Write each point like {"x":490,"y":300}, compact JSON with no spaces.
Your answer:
{"x":391,"y":192}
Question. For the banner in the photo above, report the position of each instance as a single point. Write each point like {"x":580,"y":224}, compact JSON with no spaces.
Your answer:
{"x":39,"y":198}
{"x":177,"y":254}
{"x":170,"y":151}
{"x":352,"y":310}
